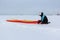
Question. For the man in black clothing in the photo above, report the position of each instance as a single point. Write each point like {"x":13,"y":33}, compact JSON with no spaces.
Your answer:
{"x":44,"y":19}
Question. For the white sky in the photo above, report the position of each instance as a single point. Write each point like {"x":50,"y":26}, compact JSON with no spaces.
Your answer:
{"x":28,"y":6}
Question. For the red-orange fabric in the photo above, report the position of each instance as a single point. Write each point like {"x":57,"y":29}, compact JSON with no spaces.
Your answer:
{"x":24,"y":21}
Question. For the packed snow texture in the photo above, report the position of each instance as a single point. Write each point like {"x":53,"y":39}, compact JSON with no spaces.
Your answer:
{"x":21,"y":31}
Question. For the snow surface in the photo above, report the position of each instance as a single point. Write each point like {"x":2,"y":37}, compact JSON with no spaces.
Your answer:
{"x":20,"y":31}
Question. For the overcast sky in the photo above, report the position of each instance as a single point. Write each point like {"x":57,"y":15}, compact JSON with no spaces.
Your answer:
{"x":28,"y":6}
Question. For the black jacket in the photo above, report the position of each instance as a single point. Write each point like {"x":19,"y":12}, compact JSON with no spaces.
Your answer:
{"x":45,"y":20}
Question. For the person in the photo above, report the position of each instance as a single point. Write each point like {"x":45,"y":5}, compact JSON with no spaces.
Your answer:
{"x":44,"y":19}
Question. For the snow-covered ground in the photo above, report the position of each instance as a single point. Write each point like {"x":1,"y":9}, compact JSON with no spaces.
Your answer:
{"x":20,"y":31}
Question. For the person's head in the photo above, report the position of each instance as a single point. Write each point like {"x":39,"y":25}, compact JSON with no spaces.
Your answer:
{"x":41,"y":14}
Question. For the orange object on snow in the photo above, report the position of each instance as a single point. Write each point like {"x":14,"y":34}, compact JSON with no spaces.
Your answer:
{"x":24,"y":21}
